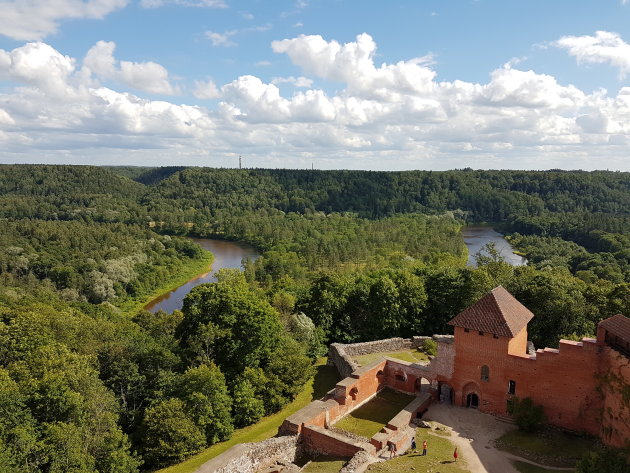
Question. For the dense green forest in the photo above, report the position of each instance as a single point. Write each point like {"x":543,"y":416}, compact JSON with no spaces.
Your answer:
{"x":89,"y":383}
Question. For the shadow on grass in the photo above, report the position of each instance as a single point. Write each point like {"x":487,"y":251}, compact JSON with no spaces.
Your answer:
{"x":325,"y":379}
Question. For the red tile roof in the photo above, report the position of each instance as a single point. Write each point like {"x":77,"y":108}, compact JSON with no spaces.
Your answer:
{"x":617,"y":325}
{"x":498,"y":312}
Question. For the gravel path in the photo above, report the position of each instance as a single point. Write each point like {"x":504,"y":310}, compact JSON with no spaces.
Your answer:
{"x":474,"y":433}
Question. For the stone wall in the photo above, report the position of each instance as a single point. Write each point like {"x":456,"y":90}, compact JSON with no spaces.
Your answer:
{"x":358,"y":463}
{"x":252,"y":457}
{"x":340,"y":354}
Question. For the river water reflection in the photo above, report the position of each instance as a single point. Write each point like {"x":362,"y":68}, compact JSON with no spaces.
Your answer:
{"x":476,"y":236}
{"x":227,"y":254}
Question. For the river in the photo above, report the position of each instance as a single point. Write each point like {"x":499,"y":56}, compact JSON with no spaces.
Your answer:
{"x":476,"y":236}
{"x":227,"y":254}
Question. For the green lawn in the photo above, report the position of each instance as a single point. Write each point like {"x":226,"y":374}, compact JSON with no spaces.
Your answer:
{"x":412,"y":356}
{"x":325,"y":465}
{"x":439,"y":458}
{"x":523,"y":467}
{"x":325,"y":379}
{"x":373,"y":415}
{"x":548,"y":447}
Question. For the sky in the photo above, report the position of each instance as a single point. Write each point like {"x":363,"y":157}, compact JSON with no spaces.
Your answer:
{"x":324,"y":84}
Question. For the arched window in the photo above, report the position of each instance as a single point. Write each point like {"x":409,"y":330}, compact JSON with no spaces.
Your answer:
{"x":485,"y":373}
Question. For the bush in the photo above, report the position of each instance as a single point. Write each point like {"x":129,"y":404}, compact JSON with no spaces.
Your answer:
{"x":610,"y":460}
{"x":429,"y":346}
{"x":528,"y":415}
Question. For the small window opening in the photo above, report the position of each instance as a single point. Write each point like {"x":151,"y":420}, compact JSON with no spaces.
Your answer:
{"x":512,"y":387}
{"x":485,"y":373}
{"x":466,"y":330}
{"x":481,"y":333}
{"x":495,"y":336}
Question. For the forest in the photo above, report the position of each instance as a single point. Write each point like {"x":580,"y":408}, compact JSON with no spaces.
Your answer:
{"x":91,"y":383}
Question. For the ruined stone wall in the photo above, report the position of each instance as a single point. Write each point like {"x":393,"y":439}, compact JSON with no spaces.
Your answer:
{"x":252,"y":457}
{"x":338,"y":357}
{"x":340,"y":354}
{"x":442,"y":365}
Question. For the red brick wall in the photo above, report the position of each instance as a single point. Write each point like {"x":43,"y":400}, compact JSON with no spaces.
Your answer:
{"x":561,"y":380}
{"x":318,"y":440}
{"x":615,"y":424}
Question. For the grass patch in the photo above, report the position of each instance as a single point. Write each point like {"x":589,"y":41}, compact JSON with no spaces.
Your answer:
{"x":373,"y":415}
{"x":523,"y":467}
{"x":548,"y":447}
{"x":439,"y":458}
{"x":412,"y":356}
{"x":324,"y":380}
{"x":325,"y":465}
{"x":131,"y":307}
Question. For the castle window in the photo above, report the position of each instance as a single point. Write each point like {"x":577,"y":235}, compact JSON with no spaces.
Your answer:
{"x":481,"y":333}
{"x":466,"y":330}
{"x":495,"y":336}
{"x":512,"y":387}
{"x":485,"y":373}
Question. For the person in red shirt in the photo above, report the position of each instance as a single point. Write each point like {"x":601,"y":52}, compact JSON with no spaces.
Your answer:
{"x":455,"y":454}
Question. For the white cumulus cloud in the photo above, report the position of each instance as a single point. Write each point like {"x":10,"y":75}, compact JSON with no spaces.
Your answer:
{"x":147,"y":76}
{"x":603,"y":48}
{"x":35,"y":19}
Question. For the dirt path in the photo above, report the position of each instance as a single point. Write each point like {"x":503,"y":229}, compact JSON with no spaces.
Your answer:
{"x":473,"y":434}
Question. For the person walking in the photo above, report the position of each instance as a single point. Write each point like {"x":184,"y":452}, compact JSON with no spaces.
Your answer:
{"x":455,"y":454}
{"x":413,"y":445}
{"x":392,"y":450}
{"x":424,"y":447}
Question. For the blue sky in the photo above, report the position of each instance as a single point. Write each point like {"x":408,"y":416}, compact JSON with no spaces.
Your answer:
{"x":402,"y":84}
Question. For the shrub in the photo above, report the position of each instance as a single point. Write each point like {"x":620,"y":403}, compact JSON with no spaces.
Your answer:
{"x":610,"y":460}
{"x":528,"y":415}
{"x":429,"y":346}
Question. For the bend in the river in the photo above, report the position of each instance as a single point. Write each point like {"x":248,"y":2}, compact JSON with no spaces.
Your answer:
{"x":477,"y":236}
{"x":227,"y":254}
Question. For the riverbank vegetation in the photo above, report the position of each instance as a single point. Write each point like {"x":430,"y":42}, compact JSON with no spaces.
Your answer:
{"x":89,"y":384}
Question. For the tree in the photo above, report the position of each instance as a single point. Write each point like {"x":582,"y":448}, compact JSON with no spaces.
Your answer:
{"x":170,"y":434}
{"x":240,"y":326}
{"x":207,"y":401}
{"x":248,"y":407}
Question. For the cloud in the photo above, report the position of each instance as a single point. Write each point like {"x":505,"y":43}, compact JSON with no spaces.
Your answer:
{"x":263,"y":64}
{"x":184,"y":3}
{"x":301,"y":81}
{"x":352,"y":64}
{"x":380,"y":115}
{"x":604,"y":47}
{"x":146,"y":76}
{"x":206,"y":90}
{"x":25,"y":20}
{"x":221,"y":39}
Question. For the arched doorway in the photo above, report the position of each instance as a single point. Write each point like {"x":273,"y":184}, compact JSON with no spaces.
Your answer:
{"x":422,"y":385}
{"x":472,"y":400}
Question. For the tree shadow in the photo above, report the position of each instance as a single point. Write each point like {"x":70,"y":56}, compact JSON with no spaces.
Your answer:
{"x":326,"y":377}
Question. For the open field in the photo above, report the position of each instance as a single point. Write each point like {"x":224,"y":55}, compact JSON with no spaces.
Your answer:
{"x":373,"y":415}
{"x":548,"y":447}
{"x":439,"y":458}
{"x":412,"y":356}
{"x":325,"y":379}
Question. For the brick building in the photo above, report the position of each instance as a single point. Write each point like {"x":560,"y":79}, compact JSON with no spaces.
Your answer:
{"x":583,"y":386}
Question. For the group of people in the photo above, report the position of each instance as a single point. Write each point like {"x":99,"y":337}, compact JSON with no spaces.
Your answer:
{"x":392,"y":448}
